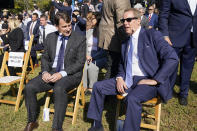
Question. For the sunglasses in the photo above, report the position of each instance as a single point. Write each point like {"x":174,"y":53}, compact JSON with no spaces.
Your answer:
{"x":128,"y":19}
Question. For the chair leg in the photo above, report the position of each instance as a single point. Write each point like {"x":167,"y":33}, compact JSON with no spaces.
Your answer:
{"x":19,"y":96}
{"x":46,"y":105}
{"x":31,"y":64}
{"x":76,"y":105}
{"x":117,"y":114}
{"x":158,"y":115}
{"x":82,"y":96}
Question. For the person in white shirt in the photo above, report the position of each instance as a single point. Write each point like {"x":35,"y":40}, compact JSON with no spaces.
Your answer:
{"x":44,"y":30}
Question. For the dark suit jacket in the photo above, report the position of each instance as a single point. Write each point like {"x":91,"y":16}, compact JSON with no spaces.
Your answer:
{"x":153,"y":21}
{"x":62,"y":8}
{"x":157,"y":57}
{"x":16,"y":40}
{"x":74,"y":54}
{"x":35,"y":31}
{"x":176,"y":21}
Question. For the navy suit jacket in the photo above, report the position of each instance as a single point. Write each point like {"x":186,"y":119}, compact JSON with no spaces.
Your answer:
{"x":157,"y":57}
{"x":62,"y":8}
{"x":35,"y":31}
{"x":153,"y":21}
{"x":176,"y":21}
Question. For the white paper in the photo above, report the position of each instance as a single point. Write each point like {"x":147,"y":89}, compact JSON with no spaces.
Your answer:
{"x":16,"y":59}
{"x":46,"y":114}
{"x":26,"y":44}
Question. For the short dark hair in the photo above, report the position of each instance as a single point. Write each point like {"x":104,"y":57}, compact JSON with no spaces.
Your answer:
{"x":44,"y":16}
{"x":69,"y":2}
{"x":35,"y":14}
{"x":20,"y":17}
{"x":63,"y":16}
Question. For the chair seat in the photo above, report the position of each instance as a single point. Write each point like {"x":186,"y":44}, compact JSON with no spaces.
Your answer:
{"x":9,"y":79}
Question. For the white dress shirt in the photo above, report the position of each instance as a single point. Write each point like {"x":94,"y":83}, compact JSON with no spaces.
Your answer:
{"x":192,"y":4}
{"x":48,"y":29}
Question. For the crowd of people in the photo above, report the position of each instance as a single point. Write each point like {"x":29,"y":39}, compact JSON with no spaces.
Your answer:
{"x":137,"y":42}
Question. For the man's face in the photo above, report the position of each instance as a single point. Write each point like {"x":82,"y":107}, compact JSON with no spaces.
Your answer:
{"x":131,"y":23}
{"x":43,"y":21}
{"x":64,"y":28}
{"x":150,"y":10}
{"x":34,"y":18}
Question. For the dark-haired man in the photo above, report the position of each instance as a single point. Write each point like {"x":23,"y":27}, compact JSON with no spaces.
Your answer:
{"x":61,"y":70}
{"x":147,"y":61}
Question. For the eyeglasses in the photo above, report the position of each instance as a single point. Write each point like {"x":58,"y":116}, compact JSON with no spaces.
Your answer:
{"x":128,"y":19}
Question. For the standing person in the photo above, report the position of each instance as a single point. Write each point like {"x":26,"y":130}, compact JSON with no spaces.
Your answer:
{"x":33,"y":28}
{"x":22,"y":26}
{"x":61,"y":70}
{"x":147,"y":61}
{"x":64,"y":8}
{"x":36,"y":10}
{"x":85,"y":8}
{"x":178,"y":23}
{"x":109,"y":37}
{"x":44,"y":30}
{"x":152,"y":17}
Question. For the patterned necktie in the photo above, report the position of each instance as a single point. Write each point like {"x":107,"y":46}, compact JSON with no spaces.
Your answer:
{"x":61,"y":54}
{"x":31,"y":29}
{"x":129,"y":77}
{"x":149,"y":17}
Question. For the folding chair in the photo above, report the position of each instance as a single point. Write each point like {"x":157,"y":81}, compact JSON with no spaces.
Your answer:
{"x":75,"y":105}
{"x":154,"y":103}
{"x":14,"y":80}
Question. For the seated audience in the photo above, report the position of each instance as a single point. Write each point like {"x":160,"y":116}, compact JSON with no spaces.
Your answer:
{"x":95,"y":56}
{"x":61,"y":70}
{"x":147,"y":61}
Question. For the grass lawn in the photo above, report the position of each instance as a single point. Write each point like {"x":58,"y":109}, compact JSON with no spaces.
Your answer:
{"x":173,"y":116}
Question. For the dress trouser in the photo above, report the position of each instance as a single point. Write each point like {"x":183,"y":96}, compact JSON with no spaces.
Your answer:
{"x":60,"y":89}
{"x":37,"y":47}
{"x":186,"y":55}
{"x":135,"y":97}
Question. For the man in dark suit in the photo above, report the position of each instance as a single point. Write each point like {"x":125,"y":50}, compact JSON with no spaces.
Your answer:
{"x":33,"y":28}
{"x":152,"y":17}
{"x":147,"y":61}
{"x":64,"y":7}
{"x":178,"y":24}
{"x":61,"y":70}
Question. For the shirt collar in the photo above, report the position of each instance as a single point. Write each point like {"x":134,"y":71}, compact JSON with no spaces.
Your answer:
{"x":136,"y":34}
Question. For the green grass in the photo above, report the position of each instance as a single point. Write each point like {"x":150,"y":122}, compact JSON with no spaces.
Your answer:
{"x":173,"y":116}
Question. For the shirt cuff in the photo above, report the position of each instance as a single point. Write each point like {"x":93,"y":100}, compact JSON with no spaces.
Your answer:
{"x":118,"y":77}
{"x":63,"y":73}
{"x":44,"y":72}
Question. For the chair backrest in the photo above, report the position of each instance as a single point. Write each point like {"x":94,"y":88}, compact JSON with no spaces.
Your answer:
{"x":4,"y":66}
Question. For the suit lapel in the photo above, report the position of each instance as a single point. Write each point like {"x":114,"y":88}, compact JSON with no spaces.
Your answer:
{"x":54,"y":45}
{"x":69,"y":43}
{"x":187,"y":5}
{"x":140,"y":44}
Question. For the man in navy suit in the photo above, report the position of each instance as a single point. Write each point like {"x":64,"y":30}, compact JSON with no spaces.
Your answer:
{"x":147,"y":61}
{"x":152,"y":17}
{"x":33,"y":28}
{"x":178,"y":23}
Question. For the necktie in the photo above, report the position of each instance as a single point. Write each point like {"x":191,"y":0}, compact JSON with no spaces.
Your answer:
{"x":43,"y":34}
{"x":31,"y":29}
{"x":149,"y":17}
{"x":129,"y":78}
{"x":61,"y":54}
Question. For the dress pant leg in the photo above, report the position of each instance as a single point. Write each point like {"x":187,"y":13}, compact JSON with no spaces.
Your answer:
{"x":34,"y":86}
{"x":187,"y":61}
{"x":141,"y":93}
{"x":37,"y":47}
{"x":100,"y":90}
{"x":60,"y":90}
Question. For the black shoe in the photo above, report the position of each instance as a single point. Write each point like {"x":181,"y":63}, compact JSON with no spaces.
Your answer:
{"x":88,"y":93}
{"x":183,"y":101}
{"x":93,"y":128}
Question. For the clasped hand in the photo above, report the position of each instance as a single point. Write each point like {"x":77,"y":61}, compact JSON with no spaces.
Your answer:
{"x":121,"y":85}
{"x":46,"y":77}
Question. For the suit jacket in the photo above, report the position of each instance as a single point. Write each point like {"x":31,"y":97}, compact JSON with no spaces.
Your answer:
{"x":16,"y":40}
{"x":153,"y":21}
{"x":109,"y":35}
{"x":35,"y":31}
{"x":157,"y":57}
{"x":176,"y":21}
{"x":75,"y":54}
{"x":62,"y":8}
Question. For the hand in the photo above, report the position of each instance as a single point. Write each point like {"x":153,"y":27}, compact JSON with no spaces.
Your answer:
{"x":76,"y":13}
{"x":147,"y":82}
{"x":121,"y":85}
{"x":89,"y":59}
{"x":150,"y":27}
{"x":168,"y":40}
{"x":55,"y":77}
{"x":45,"y":77}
